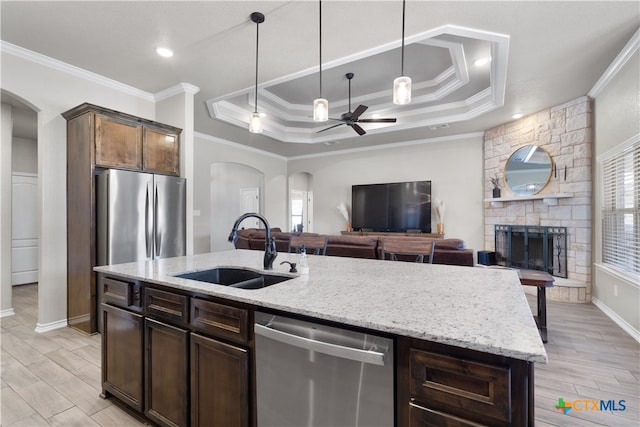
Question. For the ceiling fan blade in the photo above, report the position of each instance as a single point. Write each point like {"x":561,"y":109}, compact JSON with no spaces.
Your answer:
{"x":335,"y":120}
{"x":358,"y":129}
{"x":361,"y":109}
{"x":377,"y":121}
{"x":330,"y":127}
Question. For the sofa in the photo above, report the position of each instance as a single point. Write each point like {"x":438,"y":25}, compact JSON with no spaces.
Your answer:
{"x":447,"y":251}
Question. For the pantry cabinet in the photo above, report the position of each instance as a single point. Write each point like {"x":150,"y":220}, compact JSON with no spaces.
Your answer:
{"x":99,"y":138}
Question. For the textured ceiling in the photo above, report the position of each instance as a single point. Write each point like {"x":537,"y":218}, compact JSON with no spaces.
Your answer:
{"x":556,"y":52}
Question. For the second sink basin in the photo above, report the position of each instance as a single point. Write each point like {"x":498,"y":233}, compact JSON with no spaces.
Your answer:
{"x":235,"y":277}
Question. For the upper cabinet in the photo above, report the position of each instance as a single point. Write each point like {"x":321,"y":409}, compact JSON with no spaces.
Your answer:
{"x":160,"y":151}
{"x":118,"y":143}
{"x":128,"y":142}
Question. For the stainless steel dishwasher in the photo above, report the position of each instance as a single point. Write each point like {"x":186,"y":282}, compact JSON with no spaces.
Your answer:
{"x":313,"y":375}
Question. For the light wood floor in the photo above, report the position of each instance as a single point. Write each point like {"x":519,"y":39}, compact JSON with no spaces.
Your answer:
{"x":54,"y":378}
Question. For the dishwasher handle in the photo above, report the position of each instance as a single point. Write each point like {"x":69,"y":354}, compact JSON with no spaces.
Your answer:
{"x":358,"y":355}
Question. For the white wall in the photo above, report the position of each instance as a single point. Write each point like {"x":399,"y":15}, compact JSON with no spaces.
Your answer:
{"x":51,"y":92}
{"x":24,"y":153}
{"x":209,"y":150}
{"x":177,"y":110}
{"x":617,"y":119}
{"x":454,"y":167}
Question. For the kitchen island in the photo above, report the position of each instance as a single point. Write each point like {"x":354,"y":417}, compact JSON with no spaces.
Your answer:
{"x":466,"y":340}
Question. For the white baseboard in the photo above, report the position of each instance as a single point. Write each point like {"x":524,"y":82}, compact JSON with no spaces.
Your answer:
{"x":50,"y":326}
{"x":635,"y":334}
{"x":6,"y":313}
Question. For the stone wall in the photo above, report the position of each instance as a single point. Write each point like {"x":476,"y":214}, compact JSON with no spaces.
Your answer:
{"x":566,"y":132}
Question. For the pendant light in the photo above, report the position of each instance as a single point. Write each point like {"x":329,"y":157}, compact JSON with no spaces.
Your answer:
{"x":402,"y":84}
{"x":255,"y":121}
{"x":320,"y":105}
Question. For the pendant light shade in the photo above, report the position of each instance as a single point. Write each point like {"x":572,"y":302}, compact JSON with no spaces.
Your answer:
{"x":320,"y":110}
{"x":320,"y":105}
{"x":255,"y":121}
{"x":402,"y":90}
{"x":402,"y":84}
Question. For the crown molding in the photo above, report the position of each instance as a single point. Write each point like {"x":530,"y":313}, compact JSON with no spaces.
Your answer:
{"x":391,"y":145}
{"x":627,"y":52}
{"x":63,"y":67}
{"x":178,"y":89}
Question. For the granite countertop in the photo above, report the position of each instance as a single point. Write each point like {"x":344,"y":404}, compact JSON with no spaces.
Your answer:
{"x":475,"y":308}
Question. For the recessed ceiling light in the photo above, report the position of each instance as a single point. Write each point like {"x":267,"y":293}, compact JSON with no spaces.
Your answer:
{"x":517,"y":116}
{"x":482,"y":61}
{"x":375,"y":116}
{"x":164,"y":52}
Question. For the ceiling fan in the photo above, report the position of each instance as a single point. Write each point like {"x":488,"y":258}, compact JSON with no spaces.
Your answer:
{"x":353,"y":118}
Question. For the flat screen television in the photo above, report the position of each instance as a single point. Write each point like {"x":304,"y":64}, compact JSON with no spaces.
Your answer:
{"x":394,"y":207}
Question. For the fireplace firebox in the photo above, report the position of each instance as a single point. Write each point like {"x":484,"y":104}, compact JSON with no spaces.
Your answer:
{"x":532,"y":247}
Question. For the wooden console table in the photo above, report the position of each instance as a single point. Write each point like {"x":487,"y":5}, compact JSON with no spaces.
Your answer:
{"x":542,"y":280}
{"x":387,"y":233}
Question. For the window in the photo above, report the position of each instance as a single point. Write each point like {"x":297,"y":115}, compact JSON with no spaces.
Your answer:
{"x":621,"y":207}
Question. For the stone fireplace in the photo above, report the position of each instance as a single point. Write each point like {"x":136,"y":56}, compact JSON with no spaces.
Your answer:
{"x":565,"y":132}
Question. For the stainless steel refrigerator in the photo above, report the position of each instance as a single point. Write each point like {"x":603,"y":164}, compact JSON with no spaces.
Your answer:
{"x":139,"y":217}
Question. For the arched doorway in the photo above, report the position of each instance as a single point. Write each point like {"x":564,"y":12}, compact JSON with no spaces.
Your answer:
{"x":235,"y":189}
{"x":20,"y":205}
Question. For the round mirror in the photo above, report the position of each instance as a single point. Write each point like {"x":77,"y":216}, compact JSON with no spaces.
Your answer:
{"x":528,"y":170}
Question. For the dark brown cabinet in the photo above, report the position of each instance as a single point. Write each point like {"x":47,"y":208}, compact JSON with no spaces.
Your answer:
{"x":122,"y":355}
{"x":130,"y":143}
{"x":439,"y":385}
{"x":192,"y":355}
{"x":166,"y":374}
{"x":160,"y":151}
{"x":98,"y":138}
{"x":219,"y":383}
{"x":118,"y":143}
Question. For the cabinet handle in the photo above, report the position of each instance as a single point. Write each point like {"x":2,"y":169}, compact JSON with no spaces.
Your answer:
{"x":371,"y":357}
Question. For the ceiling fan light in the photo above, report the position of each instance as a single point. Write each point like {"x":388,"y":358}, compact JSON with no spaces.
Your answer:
{"x":255,"y":123}
{"x":320,"y":110}
{"x":402,"y":90}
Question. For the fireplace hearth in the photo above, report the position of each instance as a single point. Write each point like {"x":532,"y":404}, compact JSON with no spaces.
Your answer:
{"x":532,"y":247}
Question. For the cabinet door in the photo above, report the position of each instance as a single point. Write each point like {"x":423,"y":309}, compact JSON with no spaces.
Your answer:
{"x":161,"y":151}
{"x":219,"y":383}
{"x":122,"y":355}
{"x":118,"y":143}
{"x":166,"y":374}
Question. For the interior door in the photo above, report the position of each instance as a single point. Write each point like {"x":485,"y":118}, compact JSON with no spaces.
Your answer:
{"x":24,"y":229}
{"x":250,"y":202}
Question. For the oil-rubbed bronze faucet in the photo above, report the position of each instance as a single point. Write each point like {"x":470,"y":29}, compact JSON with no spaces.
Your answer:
{"x":270,"y":252}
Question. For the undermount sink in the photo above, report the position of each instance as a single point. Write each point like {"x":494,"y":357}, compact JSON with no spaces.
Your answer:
{"x":235,"y":277}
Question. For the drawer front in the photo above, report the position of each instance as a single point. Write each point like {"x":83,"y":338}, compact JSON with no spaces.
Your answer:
{"x":461,"y":387}
{"x":220,"y":320}
{"x":120,"y":293}
{"x":423,"y":417}
{"x":166,"y":305}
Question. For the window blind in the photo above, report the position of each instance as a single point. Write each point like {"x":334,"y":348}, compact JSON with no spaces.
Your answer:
{"x":621,"y":209}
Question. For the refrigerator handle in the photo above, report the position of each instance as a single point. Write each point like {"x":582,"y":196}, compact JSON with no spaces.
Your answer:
{"x":156,"y":240}
{"x":148,"y":225}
